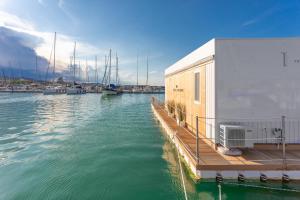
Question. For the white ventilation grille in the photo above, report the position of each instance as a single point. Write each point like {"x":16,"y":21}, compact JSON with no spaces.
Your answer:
{"x":232,"y":136}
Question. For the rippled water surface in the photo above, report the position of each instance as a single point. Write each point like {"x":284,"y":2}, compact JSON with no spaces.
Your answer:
{"x":89,"y":147}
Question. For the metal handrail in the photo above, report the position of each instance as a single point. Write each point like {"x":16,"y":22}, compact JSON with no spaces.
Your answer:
{"x":196,"y":157}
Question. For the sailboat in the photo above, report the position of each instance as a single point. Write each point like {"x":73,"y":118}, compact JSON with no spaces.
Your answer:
{"x":137,"y":89}
{"x":109,"y":88}
{"x":53,"y":89}
{"x":76,"y":88}
{"x":147,"y":88}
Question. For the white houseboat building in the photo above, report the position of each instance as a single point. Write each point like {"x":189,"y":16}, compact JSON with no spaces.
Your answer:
{"x":245,"y":96}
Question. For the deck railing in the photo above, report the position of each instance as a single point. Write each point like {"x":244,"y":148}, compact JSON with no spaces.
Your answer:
{"x":279,"y":131}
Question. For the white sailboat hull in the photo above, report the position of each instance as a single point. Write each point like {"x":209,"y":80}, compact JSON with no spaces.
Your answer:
{"x":71,"y":91}
{"x":52,"y":91}
{"x":109,"y":92}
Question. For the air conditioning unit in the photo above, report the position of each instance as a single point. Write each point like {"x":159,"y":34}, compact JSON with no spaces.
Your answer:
{"x":232,"y":136}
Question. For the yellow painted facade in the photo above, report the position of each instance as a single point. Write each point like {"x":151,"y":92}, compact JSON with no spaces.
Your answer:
{"x":180,"y":87}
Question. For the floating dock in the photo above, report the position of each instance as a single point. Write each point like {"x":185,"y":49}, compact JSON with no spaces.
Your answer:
{"x":263,"y":162}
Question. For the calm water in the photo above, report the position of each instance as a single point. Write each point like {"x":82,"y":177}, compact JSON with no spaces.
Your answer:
{"x":87,"y":147}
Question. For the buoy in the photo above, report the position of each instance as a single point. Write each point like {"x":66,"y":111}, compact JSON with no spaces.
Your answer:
{"x":263,"y":178}
{"x":285,"y":178}
{"x":219,"y":178}
{"x":241,"y":178}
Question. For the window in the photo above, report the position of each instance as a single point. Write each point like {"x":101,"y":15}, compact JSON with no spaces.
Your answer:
{"x":197,"y":87}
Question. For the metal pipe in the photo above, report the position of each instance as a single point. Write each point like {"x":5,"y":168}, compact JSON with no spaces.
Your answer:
{"x":283,"y":141}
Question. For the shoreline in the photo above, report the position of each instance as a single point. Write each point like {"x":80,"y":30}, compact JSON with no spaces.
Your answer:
{"x":39,"y":91}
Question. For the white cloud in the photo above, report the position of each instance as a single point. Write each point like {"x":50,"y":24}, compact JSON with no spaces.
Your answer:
{"x":267,"y":13}
{"x":249,"y":22}
{"x":43,"y":42}
{"x":64,"y":43}
{"x":11,"y":21}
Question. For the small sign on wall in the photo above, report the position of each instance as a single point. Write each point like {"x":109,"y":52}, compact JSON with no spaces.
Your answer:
{"x":285,"y":59}
{"x":177,"y":90}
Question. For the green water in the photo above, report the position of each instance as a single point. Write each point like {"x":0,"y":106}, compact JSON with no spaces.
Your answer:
{"x":88,"y":147}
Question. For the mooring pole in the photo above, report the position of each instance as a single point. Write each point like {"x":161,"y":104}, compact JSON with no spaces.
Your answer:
{"x":197,"y":140}
{"x":283,"y":141}
{"x":220,"y":191}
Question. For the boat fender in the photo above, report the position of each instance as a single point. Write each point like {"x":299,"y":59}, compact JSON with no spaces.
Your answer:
{"x":285,"y":178}
{"x":241,"y":178}
{"x":263,"y":178}
{"x":219,"y":178}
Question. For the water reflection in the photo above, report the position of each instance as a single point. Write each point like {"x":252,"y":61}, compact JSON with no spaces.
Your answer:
{"x":230,"y":189}
{"x":171,"y":156}
{"x":28,"y":119}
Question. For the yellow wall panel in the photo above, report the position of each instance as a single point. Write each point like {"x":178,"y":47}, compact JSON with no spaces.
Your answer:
{"x":180,"y":88}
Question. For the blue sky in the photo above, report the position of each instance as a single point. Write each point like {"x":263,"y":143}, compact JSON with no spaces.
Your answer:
{"x":163,"y":30}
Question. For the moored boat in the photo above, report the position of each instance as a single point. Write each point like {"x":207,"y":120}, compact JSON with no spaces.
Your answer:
{"x":110,"y":90}
{"x":54,"y":90}
{"x":76,"y":89}
{"x":147,"y":89}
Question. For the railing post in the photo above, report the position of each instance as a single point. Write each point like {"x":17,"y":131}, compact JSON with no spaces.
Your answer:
{"x":197,"y":140}
{"x":283,"y":141}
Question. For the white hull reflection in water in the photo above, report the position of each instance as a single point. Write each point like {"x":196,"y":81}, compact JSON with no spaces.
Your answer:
{"x":86,"y":147}
{"x":109,"y":92}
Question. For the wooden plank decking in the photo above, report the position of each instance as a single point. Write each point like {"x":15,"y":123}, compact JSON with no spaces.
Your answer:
{"x":210,"y":159}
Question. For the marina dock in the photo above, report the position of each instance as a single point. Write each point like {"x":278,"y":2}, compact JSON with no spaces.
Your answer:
{"x":262,"y":160}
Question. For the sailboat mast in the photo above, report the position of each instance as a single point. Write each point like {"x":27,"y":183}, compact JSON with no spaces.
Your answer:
{"x":70,"y":65}
{"x":4,"y":77}
{"x":96,"y":70}
{"x":117,"y":68}
{"x":86,"y":71}
{"x":74,"y":53}
{"x":79,"y":71}
{"x":147,"y":72}
{"x":36,"y":73}
{"x":137,"y":70}
{"x":54,"y":54}
{"x":109,"y":71}
{"x":104,"y":79}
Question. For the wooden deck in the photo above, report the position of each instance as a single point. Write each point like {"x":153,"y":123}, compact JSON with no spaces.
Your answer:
{"x":210,"y":159}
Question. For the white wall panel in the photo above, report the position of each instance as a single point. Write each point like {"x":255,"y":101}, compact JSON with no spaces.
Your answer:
{"x":253,"y":83}
{"x":210,"y":100}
